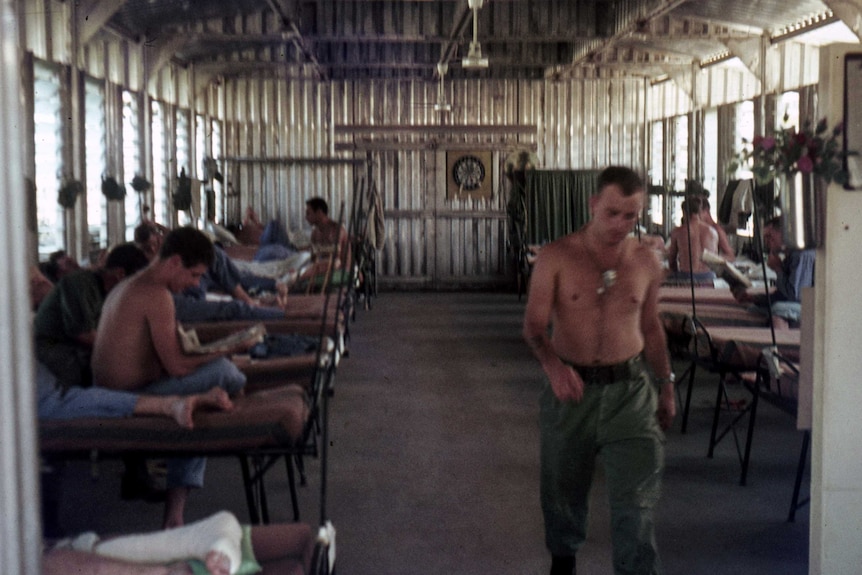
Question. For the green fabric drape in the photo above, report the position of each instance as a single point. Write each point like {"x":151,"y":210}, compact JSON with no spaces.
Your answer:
{"x":558,"y":202}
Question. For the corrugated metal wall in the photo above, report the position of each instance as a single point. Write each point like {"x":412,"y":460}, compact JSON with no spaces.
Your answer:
{"x":392,"y":131}
{"x":287,"y":136}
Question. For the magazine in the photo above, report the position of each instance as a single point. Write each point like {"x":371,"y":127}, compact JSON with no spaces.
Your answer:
{"x":725,"y":270}
{"x":191,"y":344}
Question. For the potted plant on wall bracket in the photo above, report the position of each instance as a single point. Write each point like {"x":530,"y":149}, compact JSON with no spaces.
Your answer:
{"x":69,"y":191}
{"x":182,"y":195}
{"x":112,"y":189}
{"x":801,"y":163}
{"x":140,"y":184}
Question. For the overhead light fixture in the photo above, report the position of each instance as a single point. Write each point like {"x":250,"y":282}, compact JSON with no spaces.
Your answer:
{"x":474,"y":59}
{"x":442,"y":105}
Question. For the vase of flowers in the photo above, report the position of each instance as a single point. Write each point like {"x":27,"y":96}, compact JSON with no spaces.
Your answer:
{"x":802,"y":163}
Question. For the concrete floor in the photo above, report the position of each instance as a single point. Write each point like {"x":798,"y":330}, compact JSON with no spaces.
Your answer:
{"x":434,"y":461}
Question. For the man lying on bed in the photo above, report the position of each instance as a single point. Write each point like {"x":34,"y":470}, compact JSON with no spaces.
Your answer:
{"x":56,"y":402}
{"x":191,"y":304}
{"x":217,"y":545}
{"x":65,"y":329}
{"x":137,"y":346}
{"x":328,"y":238}
{"x":65,"y":323}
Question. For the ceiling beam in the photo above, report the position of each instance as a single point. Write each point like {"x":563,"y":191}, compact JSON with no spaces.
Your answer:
{"x":850,"y":13}
{"x":631,"y":27}
{"x":463,"y":18}
{"x":670,"y":27}
{"x":93,"y":15}
{"x":748,"y":51}
{"x":289,"y":26}
{"x":436,"y":129}
{"x":161,"y":51}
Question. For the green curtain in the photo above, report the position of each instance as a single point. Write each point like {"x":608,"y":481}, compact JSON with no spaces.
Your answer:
{"x":558,"y":202}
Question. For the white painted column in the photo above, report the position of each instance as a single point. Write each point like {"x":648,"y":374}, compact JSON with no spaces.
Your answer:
{"x":20,"y":532}
{"x":836,"y":474}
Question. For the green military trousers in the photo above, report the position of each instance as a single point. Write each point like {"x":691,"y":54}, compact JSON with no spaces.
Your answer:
{"x":615,"y":423}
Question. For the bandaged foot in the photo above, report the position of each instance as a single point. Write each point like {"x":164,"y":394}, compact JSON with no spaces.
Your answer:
{"x":216,"y":540}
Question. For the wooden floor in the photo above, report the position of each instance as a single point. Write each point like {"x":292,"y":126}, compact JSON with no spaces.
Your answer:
{"x":434,"y":462}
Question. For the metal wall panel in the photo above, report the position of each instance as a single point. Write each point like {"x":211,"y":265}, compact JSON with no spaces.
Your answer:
{"x":278,"y":121}
{"x":20,"y":529}
{"x":432,"y":240}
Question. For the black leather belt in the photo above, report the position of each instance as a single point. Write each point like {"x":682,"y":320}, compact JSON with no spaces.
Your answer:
{"x":606,"y":374}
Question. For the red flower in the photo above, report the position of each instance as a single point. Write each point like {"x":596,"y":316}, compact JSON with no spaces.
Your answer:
{"x":766,"y":143}
{"x":805,"y":164}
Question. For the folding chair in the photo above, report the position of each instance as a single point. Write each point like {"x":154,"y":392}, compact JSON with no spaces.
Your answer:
{"x":694,"y":344}
{"x":707,"y":355}
{"x":776,"y":381}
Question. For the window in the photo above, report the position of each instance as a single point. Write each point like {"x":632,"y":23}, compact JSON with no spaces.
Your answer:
{"x":131,"y":161}
{"x":184,"y":140}
{"x":48,"y":134}
{"x":656,"y":172}
{"x":680,"y":152}
{"x":744,"y":129}
{"x":710,"y":164}
{"x":161,"y":177}
{"x":679,"y":166}
{"x":218,"y":186}
{"x":202,"y":152}
{"x":788,"y":107}
{"x":95,"y":157}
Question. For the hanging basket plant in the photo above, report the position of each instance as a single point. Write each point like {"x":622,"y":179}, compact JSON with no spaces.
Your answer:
{"x":211,"y":171}
{"x":140,"y":184}
{"x":112,"y":189}
{"x":68,"y":193}
{"x":182,"y":196}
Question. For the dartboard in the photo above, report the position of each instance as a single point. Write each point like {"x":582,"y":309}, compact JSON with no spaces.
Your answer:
{"x":468,"y":173}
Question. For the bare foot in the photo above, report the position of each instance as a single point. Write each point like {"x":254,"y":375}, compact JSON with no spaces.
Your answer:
{"x":217,"y":563}
{"x":216,"y":398}
{"x":183,"y":409}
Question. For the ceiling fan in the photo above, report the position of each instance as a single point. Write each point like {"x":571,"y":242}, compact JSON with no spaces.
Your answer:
{"x":474,"y":59}
{"x":442,"y":106}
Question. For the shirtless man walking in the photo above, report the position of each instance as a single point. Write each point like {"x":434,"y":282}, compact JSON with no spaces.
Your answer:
{"x":598,"y":292}
{"x":137,"y":347}
{"x":703,"y":237}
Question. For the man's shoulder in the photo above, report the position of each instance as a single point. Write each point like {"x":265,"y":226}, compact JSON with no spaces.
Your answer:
{"x":139,"y":292}
{"x":560,"y":251}
{"x":644,"y":254}
{"x":709,"y":230}
{"x":567,"y":244}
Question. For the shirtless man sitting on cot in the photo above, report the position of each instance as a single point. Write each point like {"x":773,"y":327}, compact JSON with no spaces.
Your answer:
{"x":684,"y":250}
{"x":137,"y":347}
{"x":328,"y":237}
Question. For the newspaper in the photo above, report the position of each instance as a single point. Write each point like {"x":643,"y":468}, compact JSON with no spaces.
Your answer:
{"x":725,"y":270}
{"x":192,"y":345}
